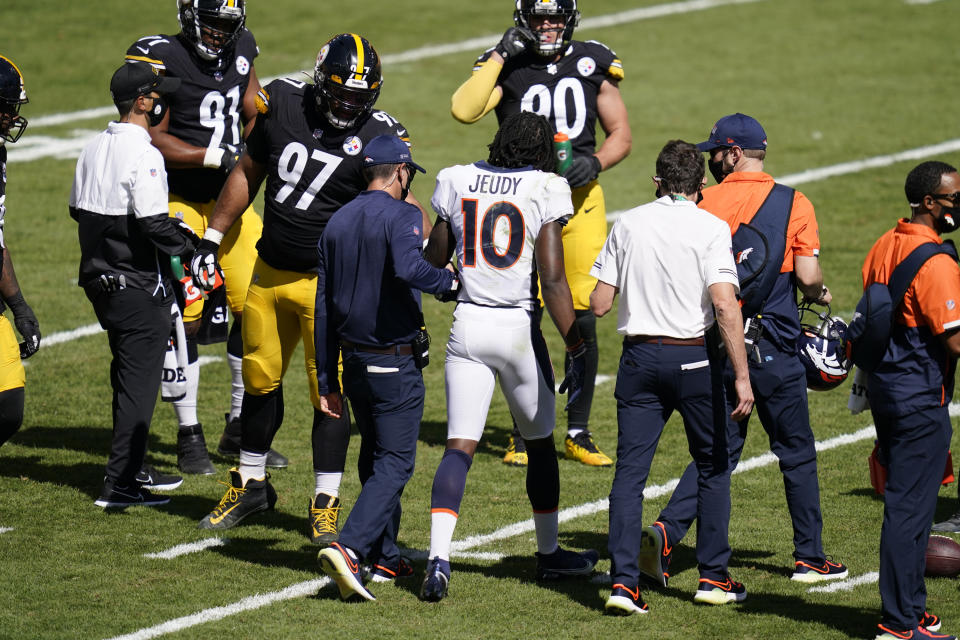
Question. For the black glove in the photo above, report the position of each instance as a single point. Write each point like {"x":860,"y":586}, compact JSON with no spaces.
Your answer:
{"x":576,"y":371}
{"x":204,"y":266}
{"x":189,"y":236}
{"x":514,"y":42}
{"x":582,"y":170}
{"x":451,"y":294}
{"x":231,"y":156}
{"x":26,"y":323}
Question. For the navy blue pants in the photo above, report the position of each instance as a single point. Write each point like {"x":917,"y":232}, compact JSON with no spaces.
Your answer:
{"x":653,"y":381}
{"x":386,"y":394}
{"x":915,"y":447}
{"x":780,"y":393}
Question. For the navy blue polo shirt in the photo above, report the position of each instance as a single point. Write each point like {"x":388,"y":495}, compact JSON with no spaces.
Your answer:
{"x":371,"y":271}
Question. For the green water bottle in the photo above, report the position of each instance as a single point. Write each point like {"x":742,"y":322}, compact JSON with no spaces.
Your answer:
{"x":177,"y":267}
{"x":564,"y":150}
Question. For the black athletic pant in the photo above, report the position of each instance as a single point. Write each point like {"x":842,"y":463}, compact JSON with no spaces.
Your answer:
{"x":138,"y":325}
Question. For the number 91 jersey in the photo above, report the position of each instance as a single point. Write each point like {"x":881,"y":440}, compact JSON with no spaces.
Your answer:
{"x":564,"y":92}
{"x":205,"y":110}
{"x":313,"y":169}
{"x":496,"y":215}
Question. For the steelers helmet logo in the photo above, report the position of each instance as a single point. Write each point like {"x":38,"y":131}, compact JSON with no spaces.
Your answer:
{"x":352,"y":146}
{"x":323,"y":53}
{"x":586,"y":66}
{"x":243,"y":65}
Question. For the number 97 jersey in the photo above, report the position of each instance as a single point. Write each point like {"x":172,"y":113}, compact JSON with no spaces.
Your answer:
{"x":496,"y":215}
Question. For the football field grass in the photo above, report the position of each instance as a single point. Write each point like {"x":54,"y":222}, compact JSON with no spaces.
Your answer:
{"x":861,"y":88}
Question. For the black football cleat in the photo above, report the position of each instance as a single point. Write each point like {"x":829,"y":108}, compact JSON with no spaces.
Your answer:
{"x":240,"y":500}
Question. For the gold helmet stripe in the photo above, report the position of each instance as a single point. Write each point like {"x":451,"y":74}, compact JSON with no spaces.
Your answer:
{"x":358,"y":75}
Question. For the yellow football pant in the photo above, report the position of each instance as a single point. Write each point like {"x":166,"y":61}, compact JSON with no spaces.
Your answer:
{"x":11,"y":368}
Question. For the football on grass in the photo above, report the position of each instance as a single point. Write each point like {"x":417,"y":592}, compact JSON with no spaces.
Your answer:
{"x":943,"y":557}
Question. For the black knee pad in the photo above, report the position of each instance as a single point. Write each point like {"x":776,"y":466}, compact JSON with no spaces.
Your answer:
{"x":260,"y":418}
{"x":330,"y":439}
{"x":543,"y":477}
{"x":11,"y":413}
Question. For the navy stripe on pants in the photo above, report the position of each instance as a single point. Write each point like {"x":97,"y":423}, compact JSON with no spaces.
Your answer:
{"x":652,"y":383}
{"x":915,"y":447}
{"x":780,"y":392}
{"x":387,"y":404}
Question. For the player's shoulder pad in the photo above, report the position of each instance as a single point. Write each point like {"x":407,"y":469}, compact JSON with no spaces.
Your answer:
{"x":247,"y":44}
{"x":154,"y":50}
{"x":607,"y":60}
{"x":382,"y":124}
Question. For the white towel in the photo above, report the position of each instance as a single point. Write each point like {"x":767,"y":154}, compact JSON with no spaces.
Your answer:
{"x":859,"y":398}
{"x":174,"y":382}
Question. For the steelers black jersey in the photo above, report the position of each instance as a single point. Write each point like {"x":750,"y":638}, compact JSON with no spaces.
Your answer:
{"x":565,"y":91}
{"x":207,"y":108}
{"x":313,"y":169}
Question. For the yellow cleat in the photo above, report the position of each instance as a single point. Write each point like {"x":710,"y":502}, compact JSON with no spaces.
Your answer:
{"x":516,"y":455}
{"x":581,"y":447}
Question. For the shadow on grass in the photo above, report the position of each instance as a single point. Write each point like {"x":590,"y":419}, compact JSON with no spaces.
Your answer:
{"x":87,"y":477}
{"x":86,"y":439}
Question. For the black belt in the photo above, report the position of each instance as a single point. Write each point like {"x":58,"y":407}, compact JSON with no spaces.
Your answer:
{"x":680,"y":342}
{"x":398,"y":349}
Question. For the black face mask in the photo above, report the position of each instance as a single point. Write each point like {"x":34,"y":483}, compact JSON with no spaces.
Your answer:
{"x":949,"y":219}
{"x":716,"y":170}
{"x":155,"y":115}
{"x":405,"y":189}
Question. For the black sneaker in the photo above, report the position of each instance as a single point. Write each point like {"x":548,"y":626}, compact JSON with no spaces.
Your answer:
{"x":436,"y":582}
{"x":720,"y":592}
{"x":122,"y":497}
{"x":229,"y":446}
{"x":150,"y":478}
{"x":192,"y":456}
{"x":929,"y":621}
{"x":625,"y":602}
{"x":380,"y":573}
{"x":655,"y":555}
{"x":810,"y":572}
{"x":563,"y":562}
{"x":239,"y":502}
{"x":322,"y":516}
{"x":948,"y":526}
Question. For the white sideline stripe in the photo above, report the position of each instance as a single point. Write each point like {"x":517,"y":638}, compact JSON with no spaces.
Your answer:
{"x":67,"y":336}
{"x":299,"y":590}
{"x":190,"y":547}
{"x":433,"y":51}
{"x":6,"y":529}
{"x":920,"y":1}
{"x":847,"y":585}
{"x":310,"y":587}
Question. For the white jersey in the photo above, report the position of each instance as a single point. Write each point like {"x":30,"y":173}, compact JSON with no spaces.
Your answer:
{"x":496,"y":215}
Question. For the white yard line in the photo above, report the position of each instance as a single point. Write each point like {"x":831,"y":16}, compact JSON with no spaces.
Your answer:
{"x":848,"y":584}
{"x":6,"y":529}
{"x":459,"y":548}
{"x":190,"y":547}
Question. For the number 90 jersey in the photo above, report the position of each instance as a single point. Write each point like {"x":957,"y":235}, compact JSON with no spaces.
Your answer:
{"x":206,"y":110}
{"x":313,"y":169}
{"x":496,"y":215}
{"x":564,"y":92}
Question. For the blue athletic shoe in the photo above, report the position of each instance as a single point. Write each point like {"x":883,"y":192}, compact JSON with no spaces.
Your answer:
{"x":720,"y":592}
{"x":625,"y":602}
{"x":435,"y":583}
{"x":655,"y":555}
{"x":337,"y":563}
{"x":811,"y":572}
{"x":563,"y":562}
{"x":380,"y":573}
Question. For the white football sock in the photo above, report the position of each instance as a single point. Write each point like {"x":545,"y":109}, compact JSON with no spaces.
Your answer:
{"x":547,"y":527}
{"x":186,"y":407}
{"x":253,"y":466}
{"x":442,"y":524}
{"x":236,"y":385}
{"x":328,"y":483}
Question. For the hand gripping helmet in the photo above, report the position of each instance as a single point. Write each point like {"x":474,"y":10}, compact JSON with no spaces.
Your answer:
{"x":12,"y":95}
{"x":348,"y":79}
{"x":820,"y":348}
{"x":566,"y":10}
{"x":213,"y":26}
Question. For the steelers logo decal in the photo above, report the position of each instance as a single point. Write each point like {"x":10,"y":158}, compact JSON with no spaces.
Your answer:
{"x":352,"y":146}
{"x":586,"y":66}
{"x":243,"y":65}
{"x":323,"y":53}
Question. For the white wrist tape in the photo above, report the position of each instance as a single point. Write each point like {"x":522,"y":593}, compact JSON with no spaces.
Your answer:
{"x":213,"y":157}
{"x":213,"y":235}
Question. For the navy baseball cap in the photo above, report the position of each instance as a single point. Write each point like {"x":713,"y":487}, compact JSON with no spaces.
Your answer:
{"x":389,"y":150}
{"x":737,"y":130}
{"x":136,"y":79}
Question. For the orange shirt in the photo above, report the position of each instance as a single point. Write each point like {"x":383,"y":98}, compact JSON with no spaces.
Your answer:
{"x":738,"y":198}
{"x":933,"y":299}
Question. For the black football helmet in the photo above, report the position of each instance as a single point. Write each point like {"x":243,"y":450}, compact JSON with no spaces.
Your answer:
{"x":566,"y":9}
{"x":12,"y":95}
{"x":213,"y":26}
{"x":820,"y":348}
{"x":348,"y":79}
